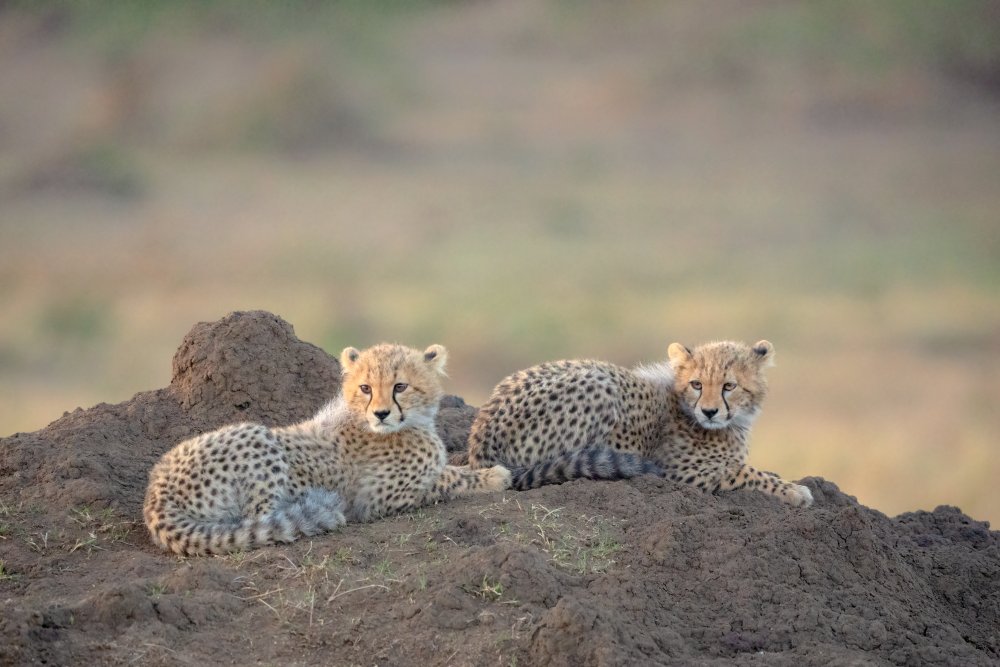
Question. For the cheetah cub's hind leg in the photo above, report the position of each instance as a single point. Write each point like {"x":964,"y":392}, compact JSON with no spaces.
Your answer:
{"x":315,"y":511}
{"x":796,"y":495}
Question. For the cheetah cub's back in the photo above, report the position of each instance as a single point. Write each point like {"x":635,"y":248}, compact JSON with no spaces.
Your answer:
{"x":370,"y":452}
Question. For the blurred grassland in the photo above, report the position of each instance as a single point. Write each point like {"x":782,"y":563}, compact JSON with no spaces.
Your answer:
{"x":524,"y":181}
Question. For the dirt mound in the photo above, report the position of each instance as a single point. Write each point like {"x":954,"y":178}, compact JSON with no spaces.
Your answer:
{"x":639,"y":572}
{"x":247,"y":366}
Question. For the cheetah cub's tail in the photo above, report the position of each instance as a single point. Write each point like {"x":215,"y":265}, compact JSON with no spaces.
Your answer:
{"x":589,"y":463}
{"x":315,"y":511}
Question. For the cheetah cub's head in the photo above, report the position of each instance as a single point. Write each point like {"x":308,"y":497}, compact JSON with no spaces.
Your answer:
{"x":392,"y":386}
{"x":721,"y":384}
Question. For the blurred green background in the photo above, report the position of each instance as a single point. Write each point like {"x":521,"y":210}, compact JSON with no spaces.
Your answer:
{"x":523,"y":181}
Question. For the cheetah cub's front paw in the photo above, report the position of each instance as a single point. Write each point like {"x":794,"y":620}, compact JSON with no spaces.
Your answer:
{"x":800,"y":496}
{"x":497,"y":478}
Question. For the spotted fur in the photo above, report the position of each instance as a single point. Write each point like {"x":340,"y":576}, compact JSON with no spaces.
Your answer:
{"x":687,"y":419}
{"x":370,"y":452}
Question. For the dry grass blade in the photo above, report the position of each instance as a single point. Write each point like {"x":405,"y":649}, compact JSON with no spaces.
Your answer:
{"x":337,"y":594}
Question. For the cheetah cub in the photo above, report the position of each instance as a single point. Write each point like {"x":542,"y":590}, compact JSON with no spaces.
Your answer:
{"x":370,"y":452}
{"x":687,"y":419}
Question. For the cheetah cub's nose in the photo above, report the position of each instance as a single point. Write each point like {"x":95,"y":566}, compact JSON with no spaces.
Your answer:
{"x":381,"y":414}
{"x":705,"y":411}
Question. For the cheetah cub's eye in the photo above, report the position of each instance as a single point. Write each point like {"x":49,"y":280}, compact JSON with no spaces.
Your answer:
{"x":365,"y":389}
{"x":696,"y":385}
{"x":400,"y":387}
{"x":729,"y":386}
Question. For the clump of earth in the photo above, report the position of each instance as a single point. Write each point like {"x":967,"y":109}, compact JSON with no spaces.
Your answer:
{"x":632,"y":572}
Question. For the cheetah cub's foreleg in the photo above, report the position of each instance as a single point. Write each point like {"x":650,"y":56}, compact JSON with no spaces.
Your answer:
{"x":460,"y":480}
{"x":796,"y":495}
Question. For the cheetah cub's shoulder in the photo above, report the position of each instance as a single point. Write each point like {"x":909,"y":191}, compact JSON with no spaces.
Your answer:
{"x":370,"y":452}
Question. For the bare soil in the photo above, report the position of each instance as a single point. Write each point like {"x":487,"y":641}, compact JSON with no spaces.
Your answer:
{"x":623,"y":573}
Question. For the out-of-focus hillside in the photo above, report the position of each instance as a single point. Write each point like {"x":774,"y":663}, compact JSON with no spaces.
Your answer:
{"x":523,"y":181}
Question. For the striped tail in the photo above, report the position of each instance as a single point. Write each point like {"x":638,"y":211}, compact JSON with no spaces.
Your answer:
{"x":315,"y":511}
{"x":589,"y":463}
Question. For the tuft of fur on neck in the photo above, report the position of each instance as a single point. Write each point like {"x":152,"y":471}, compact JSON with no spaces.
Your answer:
{"x":331,"y":415}
{"x":660,"y":374}
{"x":745,"y":420}
{"x":426,"y":420}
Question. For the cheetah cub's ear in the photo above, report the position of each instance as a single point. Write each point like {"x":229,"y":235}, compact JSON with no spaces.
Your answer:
{"x":764,"y":353}
{"x":436,"y":356}
{"x":678,"y":355}
{"x":348,"y":357}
